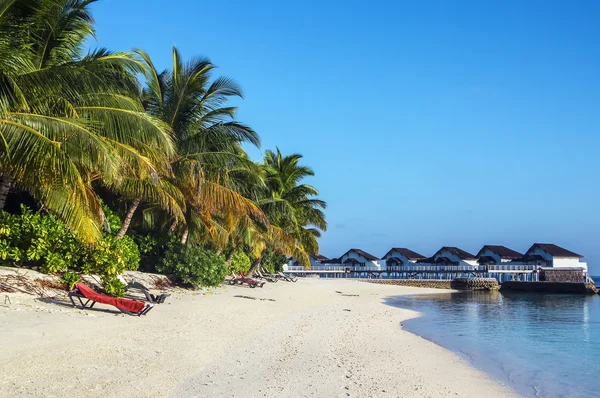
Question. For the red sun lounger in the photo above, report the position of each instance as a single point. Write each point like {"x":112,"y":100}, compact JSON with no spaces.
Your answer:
{"x":131,"y":307}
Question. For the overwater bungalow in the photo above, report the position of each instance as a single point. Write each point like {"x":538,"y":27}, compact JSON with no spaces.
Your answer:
{"x":496,"y":254}
{"x":317,"y":259}
{"x":450,"y":262}
{"x":451,"y":256}
{"x":555,"y":256}
{"x":360,"y":258}
{"x":398,"y":258}
{"x":531,"y":265}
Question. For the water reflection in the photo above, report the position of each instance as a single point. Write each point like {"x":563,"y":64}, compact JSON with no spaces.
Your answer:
{"x":539,"y":342}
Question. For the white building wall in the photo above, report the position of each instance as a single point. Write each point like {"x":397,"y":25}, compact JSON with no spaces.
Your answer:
{"x":568,"y":262}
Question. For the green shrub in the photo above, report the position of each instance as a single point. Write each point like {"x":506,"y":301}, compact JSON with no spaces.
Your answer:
{"x":131,"y":253}
{"x":112,"y":220}
{"x":113,"y":286}
{"x":111,"y":257}
{"x":146,"y":243}
{"x":273,"y":261}
{"x":70,"y":279}
{"x":192,"y":265}
{"x":35,"y":240}
{"x":240,"y":262}
{"x":153,"y":248}
{"x":39,"y":240}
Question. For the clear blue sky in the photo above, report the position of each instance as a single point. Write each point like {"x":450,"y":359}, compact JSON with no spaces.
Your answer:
{"x":428,"y":123}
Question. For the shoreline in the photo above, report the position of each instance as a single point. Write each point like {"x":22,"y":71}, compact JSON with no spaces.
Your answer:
{"x":317,"y":338}
{"x":500,"y":336}
{"x":492,"y":367}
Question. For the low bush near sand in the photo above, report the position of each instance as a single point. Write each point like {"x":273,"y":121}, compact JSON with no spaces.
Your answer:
{"x":240,"y":262}
{"x":192,"y":265}
{"x":69,"y":279}
{"x":41,"y":241}
{"x":273,"y":261}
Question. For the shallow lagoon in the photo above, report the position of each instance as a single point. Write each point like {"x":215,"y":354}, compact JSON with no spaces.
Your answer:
{"x":544,"y":345}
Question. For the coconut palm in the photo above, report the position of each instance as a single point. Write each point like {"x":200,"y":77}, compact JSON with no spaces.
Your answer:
{"x":209,"y":158}
{"x":66,"y":118}
{"x":290,"y":206}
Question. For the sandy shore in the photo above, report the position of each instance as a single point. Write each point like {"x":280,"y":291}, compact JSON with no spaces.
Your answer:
{"x":311,"y":341}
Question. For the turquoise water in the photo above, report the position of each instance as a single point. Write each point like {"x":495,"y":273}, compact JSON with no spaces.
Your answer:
{"x":541,"y":345}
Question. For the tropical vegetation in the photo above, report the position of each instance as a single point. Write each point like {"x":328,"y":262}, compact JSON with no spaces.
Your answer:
{"x":108,"y":163}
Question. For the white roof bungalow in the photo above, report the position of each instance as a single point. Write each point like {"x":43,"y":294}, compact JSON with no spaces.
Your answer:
{"x":358,"y":258}
{"x":400,"y":256}
{"x":496,"y":254}
{"x":450,"y":255}
{"x":550,"y":255}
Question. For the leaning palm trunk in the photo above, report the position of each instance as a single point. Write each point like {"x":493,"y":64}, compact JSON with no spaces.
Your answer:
{"x":5,"y":185}
{"x":256,"y":264}
{"x":185,"y":235}
{"x":128,"y":217}
{"x":229,"y":256}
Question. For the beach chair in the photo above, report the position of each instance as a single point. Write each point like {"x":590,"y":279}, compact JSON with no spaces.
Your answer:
{"x":250,"y":282}
{"x":235,"y":279}
{"x":152,"y":298}
{"x":241,"y":279}
{"x":270,"y":275}
{"x":82,"y":292}
{"x":287,"y":278}
{"x":266,"y":277}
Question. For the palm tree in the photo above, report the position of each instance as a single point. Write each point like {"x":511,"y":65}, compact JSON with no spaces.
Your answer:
{"x":291,"y":207}
{"x":68,"y":119}
{"x":208,"y":141}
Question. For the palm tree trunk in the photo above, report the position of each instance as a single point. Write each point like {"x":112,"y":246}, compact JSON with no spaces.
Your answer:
{"x":5,"y":185}
{"x":127,"y":220}
{"x":256,"y":264}
{"x":185,"y":235}
{"x":229,"y":256}
{"x":173,"y":225}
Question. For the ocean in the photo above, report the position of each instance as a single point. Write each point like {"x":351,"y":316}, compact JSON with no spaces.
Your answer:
{"x":541,"y":345}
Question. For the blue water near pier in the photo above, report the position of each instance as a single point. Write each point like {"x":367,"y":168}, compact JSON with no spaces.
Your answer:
{"x":541,"y":345}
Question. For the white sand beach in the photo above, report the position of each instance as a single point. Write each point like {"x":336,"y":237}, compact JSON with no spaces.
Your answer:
{"x":294,"y":340}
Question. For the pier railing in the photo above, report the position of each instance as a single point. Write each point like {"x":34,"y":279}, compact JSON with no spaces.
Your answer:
{"x":335,"y":268}
{"x":435,"y":268}
{"x":506,"y":267}
{"x":498,"y":268}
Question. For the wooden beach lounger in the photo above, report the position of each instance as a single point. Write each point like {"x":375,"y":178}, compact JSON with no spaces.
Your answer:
{"x":83,"y":292}
{"x":270,"y":275}
{"x":155,"y":299}
{"x":266,"y":277}
{"x":285,"y":277}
